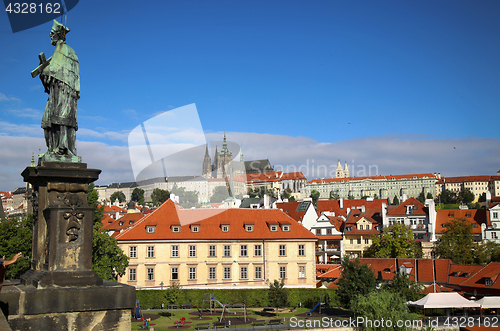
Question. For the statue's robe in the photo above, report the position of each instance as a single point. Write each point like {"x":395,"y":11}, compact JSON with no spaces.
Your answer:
{"x":59,"y":118}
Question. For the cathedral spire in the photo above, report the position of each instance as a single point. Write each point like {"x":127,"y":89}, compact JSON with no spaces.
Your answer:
{"x":207,"y":164}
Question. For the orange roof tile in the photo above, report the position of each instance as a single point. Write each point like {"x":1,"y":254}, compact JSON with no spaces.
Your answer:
{"x":491,"y":271}
{"x":277,"y":176}
{"x":475,"y":216}
{"x":210,"y":222}
{"x":401,"y":208}
{"x":391,"y":177}
{"x":334,"y":205}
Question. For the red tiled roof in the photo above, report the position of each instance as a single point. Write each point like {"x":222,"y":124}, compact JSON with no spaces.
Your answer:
{"x":392,"y":177}
{"x":333,"y":272}
{"x":291,"y":209}
{"x":492,"y":271}
{"x":210,"y":222}
{"x":334,"y":205}
{"x":113,"y":209}
{"x":462,"y":179}
{"x":463,"y":273}
{"x":475,"y":216}
{"x":384,"y":268}
{"x":442,"y":270}
{"x":372,"y":215}
{"x":106,"y":220}
{"x":126,"y":221}
{"x":277,"y":176}
{"x":401,"y":208}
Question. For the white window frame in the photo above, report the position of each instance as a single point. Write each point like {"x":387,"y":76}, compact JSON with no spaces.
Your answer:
{"x":132,"y":252}
{"x":192,"y":250}
{"x":150,"y":252}
{"x":174,"y":251}
{"x":132,"y":274}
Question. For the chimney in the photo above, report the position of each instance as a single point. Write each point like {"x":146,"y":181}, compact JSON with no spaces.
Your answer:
{"x":341,"y":203}
{"x":266,"y":201}
{"x":384,"y":215}
{"x":432,"y":219}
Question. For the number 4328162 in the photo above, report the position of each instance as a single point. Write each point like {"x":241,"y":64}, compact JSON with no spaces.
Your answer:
{"x":33,"y":8}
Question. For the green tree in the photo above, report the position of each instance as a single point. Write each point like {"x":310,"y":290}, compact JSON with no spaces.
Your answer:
{"x":487,"y":252}
{"x":356,"y":279}
{"x":381,"y":306}
{"x":138,"y":196}
{"x":395,"y":242}
{"x":429,"y":195}
{"x":253,"y":193}
{"x":421,"y":197}
{"x":173,"y":293}
{"x":375,"y":196}
{"x":315,"y":196}
{"x":277,"y":294}
{"x":108,"y":260}
{"x":159,"y":196}
{"x":395,"y":201}
{"x":118,"y":195}
{"x":457,"y":242}
{"x":448,"y":197}
{"x":16,"y":236}
{"x":93,"y":201}
{"x":406,"y":288}
{"x":334,"y":195}
{"x":219,"y":194}
{"x":482,"y":197}
{"x":466,"y":196}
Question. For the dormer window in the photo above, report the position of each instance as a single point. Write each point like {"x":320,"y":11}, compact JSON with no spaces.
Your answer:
{"x":285,"y":228}
{"x":225,"y":228}
{"x":120,"y":223}
{"x":468,"y":215}
{"x":195,"y":228}
{"x":451,"y":215}
{"x":273,"y":228}
{"x":130,"y":222}
{"x":488,"y":282}
{"x":151,"y":228}
{"x":176,"y":228}
{"x":249,"y":228}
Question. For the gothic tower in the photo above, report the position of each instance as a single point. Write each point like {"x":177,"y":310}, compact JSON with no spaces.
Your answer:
{"x":223,"y":160}
{"x":346,"y":170}
{"x":338,"y":172}
{"x":207,"y":165}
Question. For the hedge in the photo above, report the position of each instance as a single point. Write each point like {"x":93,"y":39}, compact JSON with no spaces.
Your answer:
{"x":254,"y":298}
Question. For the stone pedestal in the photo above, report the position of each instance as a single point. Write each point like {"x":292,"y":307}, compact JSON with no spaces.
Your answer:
{"x":105,"y":307}
{"x":62,"y":225}
{"x":60,"y":291}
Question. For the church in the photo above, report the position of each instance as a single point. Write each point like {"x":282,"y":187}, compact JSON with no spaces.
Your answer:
{"x":223,"y":165}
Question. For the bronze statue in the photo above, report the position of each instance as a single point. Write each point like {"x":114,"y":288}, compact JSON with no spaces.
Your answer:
{"x":60,"y":76}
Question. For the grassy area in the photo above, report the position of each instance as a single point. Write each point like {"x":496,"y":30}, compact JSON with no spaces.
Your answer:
{"x":165,"y":320}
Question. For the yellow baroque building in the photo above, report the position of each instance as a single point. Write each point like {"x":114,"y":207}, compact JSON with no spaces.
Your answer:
{"x":218,"y":248}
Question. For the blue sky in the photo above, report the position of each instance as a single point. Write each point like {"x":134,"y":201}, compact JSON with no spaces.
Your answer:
{"x":411,"y":86}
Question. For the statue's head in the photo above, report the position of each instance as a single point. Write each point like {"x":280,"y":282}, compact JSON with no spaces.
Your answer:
{"x":58,"y":32}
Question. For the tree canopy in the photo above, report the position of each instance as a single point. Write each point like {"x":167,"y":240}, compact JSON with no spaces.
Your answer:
{"x":118,"y":195}
{"x":159,"y":196}
{"x":138,"y":196}
{"x":220,"y":193}
{"x":466,"y":196}
{"x":356,"y":279}
{"x":315,"y":196}
{"x":448,"y":197}
{"x":277,"y":294}
{"x":187,"y":199}
{"x":402,"y":285}
{"x":384,"y":307}
{"x":93,"y":201}
{"x":395,"y":201}
{"x":457,"y":242}
{"x":395,"y":242}
{"x":16,"y":236}
{"x":108,"y":260}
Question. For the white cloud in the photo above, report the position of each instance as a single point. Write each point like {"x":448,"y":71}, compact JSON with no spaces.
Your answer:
{"x":26,"y":112}
{"x":388,"y":154}
{"x":3,"y":97}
